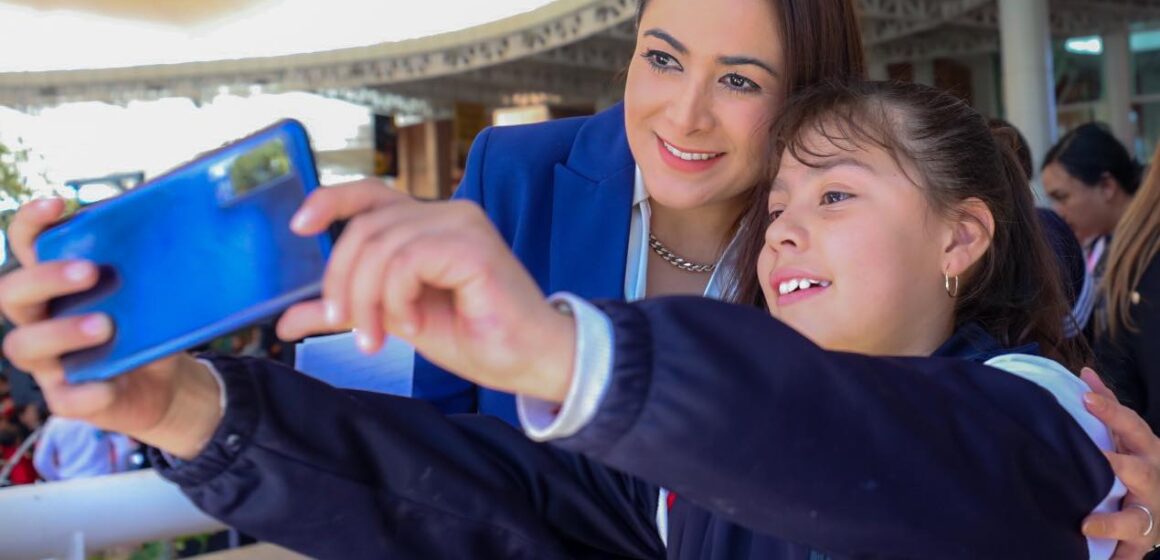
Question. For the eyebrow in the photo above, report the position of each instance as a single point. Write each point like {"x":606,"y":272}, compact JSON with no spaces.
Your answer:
{"x":825,"y":165}
{"x":842,"y":161}
{"x":726,"y":60}
{"x":747,"y":60}
{"x":664,"y":36}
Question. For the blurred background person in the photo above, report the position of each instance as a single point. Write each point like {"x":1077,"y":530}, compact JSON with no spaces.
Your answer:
{"x":16,"y":465}
{"x":1090,"y":178}
{"x":71,"y":449}
{"x":1127,"y":339}
{"x":7,"y":405}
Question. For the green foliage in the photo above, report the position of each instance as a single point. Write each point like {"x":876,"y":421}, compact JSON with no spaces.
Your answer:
{"x":13,"y":184}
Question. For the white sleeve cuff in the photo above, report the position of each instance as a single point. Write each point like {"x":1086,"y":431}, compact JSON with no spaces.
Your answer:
{"x":217,"y":377}
{"x":173,"y":460}
{"x":591,"y":372}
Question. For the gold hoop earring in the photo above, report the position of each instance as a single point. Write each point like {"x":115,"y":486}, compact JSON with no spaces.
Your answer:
{"x":951,"y":283}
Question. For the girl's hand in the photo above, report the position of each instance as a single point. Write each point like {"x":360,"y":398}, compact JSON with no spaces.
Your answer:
{"x":142,"y":403}
{"x":438,"y":275}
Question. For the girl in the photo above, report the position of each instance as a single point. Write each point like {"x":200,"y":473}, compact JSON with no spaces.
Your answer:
{"x":899,"y":228}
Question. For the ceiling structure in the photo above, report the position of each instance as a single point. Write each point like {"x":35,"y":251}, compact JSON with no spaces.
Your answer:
{"x":566,"y":52}
{"x":177,"y":13}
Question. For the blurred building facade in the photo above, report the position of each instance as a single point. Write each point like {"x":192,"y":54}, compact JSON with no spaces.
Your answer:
{"x":1044,"y":65}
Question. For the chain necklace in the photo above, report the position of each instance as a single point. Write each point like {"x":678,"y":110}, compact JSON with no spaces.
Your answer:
{"x":672,"y":258}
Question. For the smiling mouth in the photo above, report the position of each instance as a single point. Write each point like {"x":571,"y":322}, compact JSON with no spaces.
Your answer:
{"x":690,"y":156}
{"x":800,"y":284}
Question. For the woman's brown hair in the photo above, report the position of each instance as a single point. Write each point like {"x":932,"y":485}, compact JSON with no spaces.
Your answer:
{"x":821,"y":39}
{"x":1135,"y":243}
{"x":1014,"y":292}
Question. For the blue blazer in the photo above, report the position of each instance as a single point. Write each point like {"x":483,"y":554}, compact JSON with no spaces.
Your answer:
{"x":560,"y":194}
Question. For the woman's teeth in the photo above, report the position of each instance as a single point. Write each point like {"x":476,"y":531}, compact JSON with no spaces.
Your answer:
{"x":689,"y":156}
{"x":790,"y":286}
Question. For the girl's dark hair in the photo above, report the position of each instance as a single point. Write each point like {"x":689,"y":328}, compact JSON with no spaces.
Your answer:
{"x":821,"y":40}
{"x":1014,"y":292}
{"x":1089,"y":151}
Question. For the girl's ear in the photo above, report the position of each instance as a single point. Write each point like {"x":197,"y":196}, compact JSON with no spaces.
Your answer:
{"x":971,"y":231}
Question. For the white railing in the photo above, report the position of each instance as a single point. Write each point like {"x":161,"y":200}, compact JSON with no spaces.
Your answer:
{"x":64,"y":520}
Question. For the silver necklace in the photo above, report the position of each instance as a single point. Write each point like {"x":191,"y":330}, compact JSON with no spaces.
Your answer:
{"x":672,"y":258}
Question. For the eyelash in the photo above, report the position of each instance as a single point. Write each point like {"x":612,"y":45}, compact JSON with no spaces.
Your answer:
{"x":827,"y":199}
{"x":654,"y":56}
{"x":747,"y":85}
{"x":730,"y":81}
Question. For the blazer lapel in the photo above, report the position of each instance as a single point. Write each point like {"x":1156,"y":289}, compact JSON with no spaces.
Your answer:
{"x":591,"y":209}
{"x":590,"y":222}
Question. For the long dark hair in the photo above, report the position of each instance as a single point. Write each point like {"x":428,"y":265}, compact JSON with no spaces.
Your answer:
{"x":821,"y":39}
{"x":1014,"y":291}
{"x":1090,"y":151}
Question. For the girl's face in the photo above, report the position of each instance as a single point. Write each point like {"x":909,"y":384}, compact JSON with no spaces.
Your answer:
{"x":702,"y":89}
{"x":854,"y":257}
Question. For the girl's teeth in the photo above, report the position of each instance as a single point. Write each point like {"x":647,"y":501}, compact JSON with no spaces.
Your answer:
{"x":790,"y":286}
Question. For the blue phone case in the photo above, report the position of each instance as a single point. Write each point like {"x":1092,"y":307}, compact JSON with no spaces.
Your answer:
{"x":194,"y":254}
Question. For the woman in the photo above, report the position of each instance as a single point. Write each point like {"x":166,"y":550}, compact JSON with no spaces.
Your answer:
{"x":610,"y":206}
{"x":1090,"y":178}
{"x":1127,"y":333}
{"x":778,"y":445}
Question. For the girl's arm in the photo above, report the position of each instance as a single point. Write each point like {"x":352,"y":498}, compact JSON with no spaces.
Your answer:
{"x":737,"y":413}
{"x":350,"y":474}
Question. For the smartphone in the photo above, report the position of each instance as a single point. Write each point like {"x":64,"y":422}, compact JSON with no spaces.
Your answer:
{"x":194,"y":254}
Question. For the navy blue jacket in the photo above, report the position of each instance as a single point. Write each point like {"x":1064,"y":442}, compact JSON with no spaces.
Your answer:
{"x":775,"y":447}
{"x":560,"y":194}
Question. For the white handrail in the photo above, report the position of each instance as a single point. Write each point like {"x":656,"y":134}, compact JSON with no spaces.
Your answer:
{"x":47,"y":520}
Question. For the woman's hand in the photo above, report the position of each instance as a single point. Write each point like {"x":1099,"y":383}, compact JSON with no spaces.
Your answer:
{"x":1137,"y":464}
{"x":439,"y":276}
{"x":144,"y":403}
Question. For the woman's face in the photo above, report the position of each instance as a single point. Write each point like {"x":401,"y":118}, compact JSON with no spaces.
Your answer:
{"x":702,"y":90}
{"x":1085,"y":208}
{"x":854,"y":256}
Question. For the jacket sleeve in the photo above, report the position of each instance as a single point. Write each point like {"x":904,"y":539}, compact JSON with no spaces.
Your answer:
{"x":449,"y":393}
{"x":350,"y":474}
{"x":737,"y":413}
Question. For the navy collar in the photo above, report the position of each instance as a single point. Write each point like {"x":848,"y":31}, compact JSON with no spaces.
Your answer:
{"x":972,"y":342}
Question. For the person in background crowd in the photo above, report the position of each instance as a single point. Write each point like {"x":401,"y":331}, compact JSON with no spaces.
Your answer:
{"x":7,"y":405}
{"x":1128,"y":330}
{"x":16,"y":466}
{"x":1090,"y":177}
{"x":71,"y":449}
{"x":32,"y":417}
